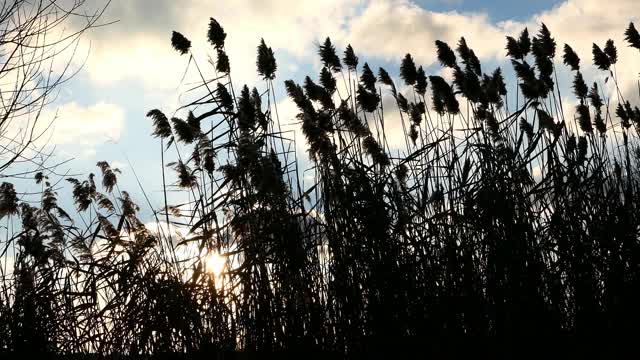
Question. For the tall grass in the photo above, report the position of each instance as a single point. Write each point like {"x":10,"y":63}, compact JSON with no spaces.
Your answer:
{"x":498,"y":217}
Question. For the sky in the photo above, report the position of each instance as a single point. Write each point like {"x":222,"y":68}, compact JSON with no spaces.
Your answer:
{"x":129,"y":66}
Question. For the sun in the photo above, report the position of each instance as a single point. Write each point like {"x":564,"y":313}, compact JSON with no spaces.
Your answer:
{"x":215,"y":263}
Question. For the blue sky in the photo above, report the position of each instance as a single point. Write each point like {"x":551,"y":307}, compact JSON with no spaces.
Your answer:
{"x":131,"y":67}
{"x":498,"y":10}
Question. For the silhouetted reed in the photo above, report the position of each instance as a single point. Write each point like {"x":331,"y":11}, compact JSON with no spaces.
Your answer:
{"x":495,"y":217}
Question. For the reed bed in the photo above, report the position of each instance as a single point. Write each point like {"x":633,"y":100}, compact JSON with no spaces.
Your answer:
{"x":498,"y":217}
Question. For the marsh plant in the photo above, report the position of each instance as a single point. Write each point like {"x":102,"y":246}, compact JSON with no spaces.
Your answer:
{"x":498,"y":216}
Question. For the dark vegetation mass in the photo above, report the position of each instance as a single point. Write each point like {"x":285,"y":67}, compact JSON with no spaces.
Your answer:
{"x":497,"y":219}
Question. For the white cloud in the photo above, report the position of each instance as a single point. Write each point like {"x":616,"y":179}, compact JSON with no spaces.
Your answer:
{"x":140,"y":57}
{"x":79,"y":125}
{"x":584,"y":22}
{"x":80,"y":129}
{"x":118,"y":165}
{"x":138,"y":46}
{"x":88,"y":153}
{"x":392,"y":28}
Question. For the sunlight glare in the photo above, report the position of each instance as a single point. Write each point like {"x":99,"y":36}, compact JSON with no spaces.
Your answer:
{"x":215,"y":263}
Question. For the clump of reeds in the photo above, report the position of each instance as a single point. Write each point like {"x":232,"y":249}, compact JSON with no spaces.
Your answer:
{"x":497,"y":217}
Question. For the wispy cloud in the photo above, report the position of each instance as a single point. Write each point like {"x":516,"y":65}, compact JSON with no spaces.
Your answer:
{"x":90,"y":125}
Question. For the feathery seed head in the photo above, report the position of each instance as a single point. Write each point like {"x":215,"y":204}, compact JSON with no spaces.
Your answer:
{"x":180,"y":43}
